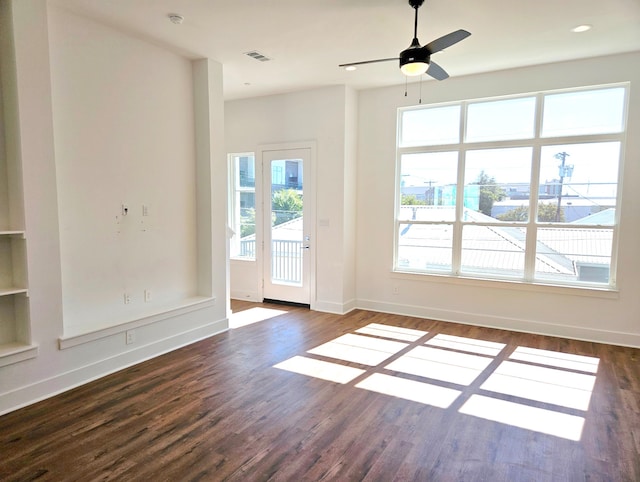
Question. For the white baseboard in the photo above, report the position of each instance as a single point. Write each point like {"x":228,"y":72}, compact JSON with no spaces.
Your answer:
{"x":63,"y":382}
{"x":335,"y":308}
{"x":246,"y":296}
{"x":504,"y":323}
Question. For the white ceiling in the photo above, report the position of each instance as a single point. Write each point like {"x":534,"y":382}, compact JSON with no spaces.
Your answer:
{"x":307,"y":39}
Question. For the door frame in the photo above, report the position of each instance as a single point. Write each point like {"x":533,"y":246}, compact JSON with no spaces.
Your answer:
{"x":309,"y":206}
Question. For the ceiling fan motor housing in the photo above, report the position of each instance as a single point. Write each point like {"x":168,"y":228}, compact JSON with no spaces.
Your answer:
{"x":413,"y":54}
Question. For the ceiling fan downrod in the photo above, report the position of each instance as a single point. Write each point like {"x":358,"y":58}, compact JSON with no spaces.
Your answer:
{"x":415,"y":4}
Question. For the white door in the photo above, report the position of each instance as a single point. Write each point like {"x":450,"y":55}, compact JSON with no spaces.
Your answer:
{"x":288,"y":243}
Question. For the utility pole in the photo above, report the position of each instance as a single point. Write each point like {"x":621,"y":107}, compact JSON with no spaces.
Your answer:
{"x":564,"y":170}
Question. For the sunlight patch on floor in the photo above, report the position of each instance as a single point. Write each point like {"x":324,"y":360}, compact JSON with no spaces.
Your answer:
{"x":556,"y":359}
{"x":444,"y":365}
{"x":472,"y":345}
{"x":549,"y":385}
{"x":524,"y":416}
{"x":426,"y":393}
{"x":333,"y":372}
{"x":394,"y":332}
{"x":365,"y":350}
{"x":253,"y":315}
{"x":532,"y":375}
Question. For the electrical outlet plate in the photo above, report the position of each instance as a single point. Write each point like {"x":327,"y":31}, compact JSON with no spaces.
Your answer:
{"x":127,"y":298}
{"x":125,"y":209}
{"x":130,"y":336}
{"x":147,"y":296}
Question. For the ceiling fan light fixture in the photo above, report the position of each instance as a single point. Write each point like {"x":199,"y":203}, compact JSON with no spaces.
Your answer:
{"x":414,"y":68}
{"x":414,"y":60}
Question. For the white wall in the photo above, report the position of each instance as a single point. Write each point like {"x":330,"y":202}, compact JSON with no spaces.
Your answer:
{"x":124,"y":133}
{"x":565,"y":312}
{"x":120,"y":135}
{"x":326,"y":116}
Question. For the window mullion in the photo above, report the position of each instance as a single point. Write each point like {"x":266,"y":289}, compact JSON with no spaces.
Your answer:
{"x":532,"y":226}
{"x":456,"y":255}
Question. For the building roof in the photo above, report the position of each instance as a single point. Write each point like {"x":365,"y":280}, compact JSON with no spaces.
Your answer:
{"x":485,"y":248}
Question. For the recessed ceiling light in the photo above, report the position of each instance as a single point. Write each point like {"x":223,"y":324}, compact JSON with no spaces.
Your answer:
{"x":350,"y":68}
{"x":581,"y":28}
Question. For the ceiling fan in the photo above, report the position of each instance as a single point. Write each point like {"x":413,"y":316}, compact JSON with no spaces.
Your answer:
{"x":416,"y":59}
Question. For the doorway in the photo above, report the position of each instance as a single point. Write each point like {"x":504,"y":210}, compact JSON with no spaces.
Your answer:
{"x":288,"y":215}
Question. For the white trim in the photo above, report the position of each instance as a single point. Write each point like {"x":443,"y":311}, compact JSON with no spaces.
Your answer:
{"x":16,"y":352}
{"x":246,"y":296}
{"x":518,"y":285}
{"x":336,"y":308}
{"x":49,"y":387}
{"x":505,"y":323}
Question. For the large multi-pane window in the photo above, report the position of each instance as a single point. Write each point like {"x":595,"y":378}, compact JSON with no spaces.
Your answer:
{"x":242,"y":205}
{"x":522,"y":188}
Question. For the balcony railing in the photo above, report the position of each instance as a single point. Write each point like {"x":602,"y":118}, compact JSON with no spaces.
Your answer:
{"x":286,"y":259}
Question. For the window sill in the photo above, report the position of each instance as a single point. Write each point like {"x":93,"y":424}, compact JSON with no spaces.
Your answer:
{"x":547,"y":288}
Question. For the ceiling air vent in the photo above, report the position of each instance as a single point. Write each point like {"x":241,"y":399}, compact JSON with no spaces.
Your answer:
{"x":257,"y":55}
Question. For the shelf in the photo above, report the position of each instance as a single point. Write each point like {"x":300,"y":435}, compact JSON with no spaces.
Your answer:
{"x":11,"y":353}
{"x":12,"y":291}
{"x":12,"y":233}
{"x":81,"y":335}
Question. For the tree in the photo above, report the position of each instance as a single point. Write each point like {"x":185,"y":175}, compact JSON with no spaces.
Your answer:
{"x":546,"y":214}
{"x":286,"y":204}
{"x":490,"y":192}
{"x":411,"y":200}
{"x":247,"y":222}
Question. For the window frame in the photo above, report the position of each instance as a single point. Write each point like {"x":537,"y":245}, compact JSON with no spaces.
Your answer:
{"x":537,"y":143}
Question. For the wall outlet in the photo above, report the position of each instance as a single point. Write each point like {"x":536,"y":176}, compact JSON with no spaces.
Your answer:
{"x":130,"y":337}
{"x":125,"y":209}
{"x":395,"y":290}
{"x":145,"y":209}
{"x":127,"y":298}
{"x":147,"y":296}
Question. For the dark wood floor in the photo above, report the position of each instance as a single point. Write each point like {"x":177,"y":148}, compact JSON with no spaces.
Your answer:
{"x":220,"y":410}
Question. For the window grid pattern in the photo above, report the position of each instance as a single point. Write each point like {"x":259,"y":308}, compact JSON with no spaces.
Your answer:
{"x":535,"y":248}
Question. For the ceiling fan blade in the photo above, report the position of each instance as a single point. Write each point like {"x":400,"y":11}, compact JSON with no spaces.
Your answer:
{"x":446,"y":41}
{"x":436,"y":71}
{"x":367,"y":62}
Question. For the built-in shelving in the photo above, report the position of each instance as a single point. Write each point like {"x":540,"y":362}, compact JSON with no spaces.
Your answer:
{"x":15,"y":333}
{"x":15,"y":327}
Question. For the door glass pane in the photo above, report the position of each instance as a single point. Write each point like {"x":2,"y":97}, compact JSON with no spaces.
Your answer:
{"x":430,"y":127}
{"x":582,"y":113}
{"x":579,"y":183}
{"x":286,"y":221}
{"x":497,"y":185}
{"x":428,"y":186}
{"x":501,"y":120}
